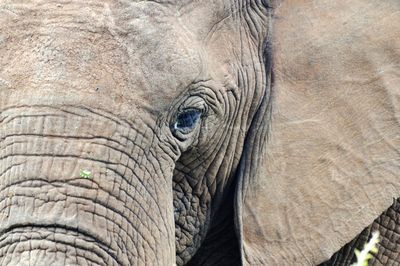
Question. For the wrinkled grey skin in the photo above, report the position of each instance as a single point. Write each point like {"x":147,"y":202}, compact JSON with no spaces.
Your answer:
{"x":103,"y":86}
{"x":98,"y":86}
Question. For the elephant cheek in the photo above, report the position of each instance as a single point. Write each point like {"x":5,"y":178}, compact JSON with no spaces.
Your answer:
{"x":76,"y":190}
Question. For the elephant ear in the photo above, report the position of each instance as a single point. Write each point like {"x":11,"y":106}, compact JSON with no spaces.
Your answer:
{"x":324,"y":162}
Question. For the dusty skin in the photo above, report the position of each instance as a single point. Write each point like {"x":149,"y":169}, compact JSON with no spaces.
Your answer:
{"x":241,"y":132}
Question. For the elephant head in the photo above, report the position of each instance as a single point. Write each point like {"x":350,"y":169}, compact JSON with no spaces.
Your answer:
{"x":154,"y":133}
{"x":123,"y":125}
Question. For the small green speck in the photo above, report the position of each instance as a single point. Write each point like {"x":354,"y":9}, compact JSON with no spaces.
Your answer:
{"x":85,"y":174}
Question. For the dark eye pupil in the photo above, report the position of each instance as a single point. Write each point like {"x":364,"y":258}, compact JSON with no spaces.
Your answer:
{"x":188,"y":119}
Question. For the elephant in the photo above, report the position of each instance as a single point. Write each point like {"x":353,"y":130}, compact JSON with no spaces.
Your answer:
{"x":246,"y":132}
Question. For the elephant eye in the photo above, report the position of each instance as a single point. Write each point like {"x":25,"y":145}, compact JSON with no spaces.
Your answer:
{"x":187,"y":120}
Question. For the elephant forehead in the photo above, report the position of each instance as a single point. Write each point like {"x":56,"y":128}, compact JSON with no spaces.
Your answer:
{"x":137,"y":52}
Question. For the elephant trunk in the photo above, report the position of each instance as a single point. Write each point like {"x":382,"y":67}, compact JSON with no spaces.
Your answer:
{"x":79,"y":186}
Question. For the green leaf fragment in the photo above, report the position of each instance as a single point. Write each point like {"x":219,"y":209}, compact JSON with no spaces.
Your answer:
{"x":357,"y":252}
{"x":368,"y":256}
{"x":85,"y":174}
{"x":365,"y":255}
{"x":374,"y":250}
